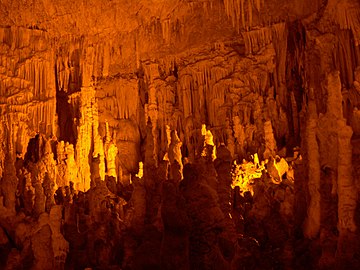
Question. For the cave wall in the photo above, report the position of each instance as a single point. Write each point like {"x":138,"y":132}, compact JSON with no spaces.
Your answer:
{"x":87,"y":101}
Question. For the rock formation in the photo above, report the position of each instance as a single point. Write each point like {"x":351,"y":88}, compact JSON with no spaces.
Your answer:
{"x":214,"y":134}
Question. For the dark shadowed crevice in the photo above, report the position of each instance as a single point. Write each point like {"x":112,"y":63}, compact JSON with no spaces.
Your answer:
{"x":64,"y":111}
{"x":295,"y":74}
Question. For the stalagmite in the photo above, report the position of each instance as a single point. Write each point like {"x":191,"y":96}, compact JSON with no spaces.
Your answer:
{"x":138,"y":201}
{"x":111,"y":152}
{"x":60,"y":246}
{"x":29,"y":193}
{"x":41,"y":244}
{"x":87,"y":132}
{"x":312,"y":223}
{"x":270,"y":142}
{"x":175,"y":157}
{"x":174,"y":250}
{"x":230,"y":141}
{"x":160,"y":134}
{"x":61,"y":167}
{"x":345,"y":185}
{"x":9,"y":184}
{"x":208,"y":141}
{"x":152,"y":112}
{"x":239,"y":133}
{"x":100,"y":154}
{"x":49,"y":188}
{"x":72,"y":169}
{"x":39,"y":202}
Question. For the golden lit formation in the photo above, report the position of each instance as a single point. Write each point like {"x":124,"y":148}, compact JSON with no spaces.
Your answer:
{"x":245,"y":174}
{"x":169,"y":134}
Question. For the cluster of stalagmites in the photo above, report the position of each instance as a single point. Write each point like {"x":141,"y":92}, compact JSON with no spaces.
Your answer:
{"x":170,"y":217}
{"x":75,"y":196}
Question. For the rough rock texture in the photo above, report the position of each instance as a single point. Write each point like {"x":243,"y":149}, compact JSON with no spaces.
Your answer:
{"x":214,"y":134}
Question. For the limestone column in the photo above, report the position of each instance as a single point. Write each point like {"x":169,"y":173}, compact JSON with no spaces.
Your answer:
{"x":60,"y":246}
{"x":347,"y":192}
{"x":270,"y":142}
{"x":347,"y":195}
{"x":313,"y":221}
{"x":175,"y":157}
{"x":111,"y":152}
{"x":152,"y":108}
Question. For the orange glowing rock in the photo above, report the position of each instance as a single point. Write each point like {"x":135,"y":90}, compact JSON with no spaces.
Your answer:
{"x":280,"y":167}
{"x":140,"y":174}
{"x":208,"y":140}
{"x":175,"y":155}
{"x":244,"y":174}
{"x":100,"y":154}
{"x":72,"y":169}
{"x":111,"y":152}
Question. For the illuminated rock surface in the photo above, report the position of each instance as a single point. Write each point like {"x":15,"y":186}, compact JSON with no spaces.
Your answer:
{"x":168,"y":134}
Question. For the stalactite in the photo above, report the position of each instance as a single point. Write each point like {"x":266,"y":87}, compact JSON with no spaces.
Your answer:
{"x":250,"y":13}
{"x":229,"y":90}
{"x":72,"y":169}
{"x":242,"y":10}
{"x":185,"y":85}
{"x":126,"y":94}
{"x":258,"y":5}
{"x":106,"y":59}
{"x":85,"y":135}
{"x":257,"y":39}
{"x":347,"y":14}
{"x":279,"y":40}
{"x":166,"y":30}
{"x":240,"y":16}
{"x":295,"y":114}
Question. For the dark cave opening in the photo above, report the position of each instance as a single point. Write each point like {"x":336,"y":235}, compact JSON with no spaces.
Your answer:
{"x":75,"y":79}
{"x":33,"y":150}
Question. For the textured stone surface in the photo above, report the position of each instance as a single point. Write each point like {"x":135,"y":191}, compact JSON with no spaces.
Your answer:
{"x":121,"y":121}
